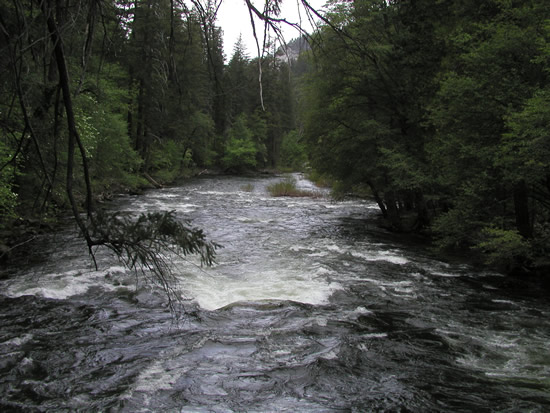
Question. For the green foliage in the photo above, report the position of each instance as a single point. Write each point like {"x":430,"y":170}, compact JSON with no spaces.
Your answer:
{"x":240,"y":154}
{"x":525,"y":149}
{"x":488,"y":115}
{"x":85,"y":124}
{"x":257,"y":125}
{"x":456,"y":229}
{"x":320,"y":180}
{"x":441,"y":110}
{"x":367,"y":101}
{"x":8,"y":199}
{"x":170,"y":161}
{"x":503,"y":248}
{"x":293,"y":151}
{"x":241,"y":151}
{"x":201,"y":139}
{"x":104,"y":132}
{"x":143,"y":243}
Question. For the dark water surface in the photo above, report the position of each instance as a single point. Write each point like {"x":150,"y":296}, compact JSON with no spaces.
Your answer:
{"x":310,"y":308}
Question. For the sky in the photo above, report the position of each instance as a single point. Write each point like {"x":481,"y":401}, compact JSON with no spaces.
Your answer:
{"x":234,"y":19}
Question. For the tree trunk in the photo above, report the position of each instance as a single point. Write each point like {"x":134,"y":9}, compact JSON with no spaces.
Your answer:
{"x":393,"y":211}
{"x":74,"y":138}
{"x":423,"y":217}
{"x":378,"y":199}
{"x":521,"y":206}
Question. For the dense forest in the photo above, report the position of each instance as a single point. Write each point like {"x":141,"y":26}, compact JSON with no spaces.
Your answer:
{"x":101,"y":97}
{"x":439,"y":110}
{"x":442,"y":110}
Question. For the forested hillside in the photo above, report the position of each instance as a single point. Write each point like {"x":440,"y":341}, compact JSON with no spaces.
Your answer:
{"x":99,"y":97}
{"x":442,"y":110}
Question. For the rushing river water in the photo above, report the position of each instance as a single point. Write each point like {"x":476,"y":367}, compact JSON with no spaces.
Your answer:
{"x":310,"y":308}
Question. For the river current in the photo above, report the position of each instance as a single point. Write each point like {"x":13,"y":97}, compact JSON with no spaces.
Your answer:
{"x":309,"y":308}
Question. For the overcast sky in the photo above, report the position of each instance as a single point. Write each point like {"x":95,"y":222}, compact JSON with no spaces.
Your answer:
{"x":234,"y":19}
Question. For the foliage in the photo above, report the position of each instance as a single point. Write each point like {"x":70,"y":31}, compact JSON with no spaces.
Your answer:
{"x":503,"y":248}
{"x":441,"y":109}
{"x":241,"y":151}
{"x":104,"y":132}
{"x":365,"y":117}
{"x":171,"y":160}
{"x":240,"y":154}
{"x":143,"y":244}
{"x":8,"y":198}
{"x":525,"y":148}
{"x":293,"y":151}
{"x":320,"y":180}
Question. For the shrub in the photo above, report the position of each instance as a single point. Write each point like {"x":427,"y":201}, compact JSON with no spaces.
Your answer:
{"x":503,"y":248}
{"x":293,"y":151}
{"x":287,"y":187}
{"x":8,"y":199}
{"x":239,"y":154}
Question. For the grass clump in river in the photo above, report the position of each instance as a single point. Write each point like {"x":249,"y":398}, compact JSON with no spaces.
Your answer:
{"x":287,"y":187}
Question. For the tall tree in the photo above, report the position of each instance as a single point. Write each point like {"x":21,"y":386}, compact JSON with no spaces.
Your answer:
{"x":494,"y":74}
{"x":373,"y":81}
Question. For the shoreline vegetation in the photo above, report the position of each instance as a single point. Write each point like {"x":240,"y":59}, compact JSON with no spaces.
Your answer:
{"x":23,"y":232}
{"x":454,"y":146}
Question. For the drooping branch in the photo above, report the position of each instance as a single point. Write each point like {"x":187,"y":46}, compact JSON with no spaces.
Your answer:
{"x":260,"y":55}
{"x":74,"y":138}
{"x":142,"y":244}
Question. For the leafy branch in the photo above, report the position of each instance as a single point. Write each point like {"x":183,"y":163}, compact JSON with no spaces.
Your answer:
{"x":143,"y":245}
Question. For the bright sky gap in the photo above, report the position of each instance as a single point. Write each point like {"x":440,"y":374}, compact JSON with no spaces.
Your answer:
{"x":234,"y":19}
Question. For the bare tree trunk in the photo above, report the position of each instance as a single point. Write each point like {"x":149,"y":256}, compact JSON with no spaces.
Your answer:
{"x":393,"y":211}
{"x":378,"y":199}
{"x":74,"y":138}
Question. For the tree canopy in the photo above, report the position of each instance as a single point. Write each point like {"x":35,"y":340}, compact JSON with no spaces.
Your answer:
{"x":105,"y":96}
{"x":440,"y":108}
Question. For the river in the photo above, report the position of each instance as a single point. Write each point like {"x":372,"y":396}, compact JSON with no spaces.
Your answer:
{"x":310,"y":308}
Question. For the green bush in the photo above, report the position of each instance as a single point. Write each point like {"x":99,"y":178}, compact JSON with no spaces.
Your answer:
{"x":239,"y":154}
{"x":241,"y":151}
{"x":293,"y":151}
{"x":101,"y":119}
{"x":503,"y":248}
{"x":170,"y":161}
{"x":8,"y":199}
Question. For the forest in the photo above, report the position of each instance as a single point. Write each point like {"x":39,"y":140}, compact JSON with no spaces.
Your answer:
{"x":438,"y":110}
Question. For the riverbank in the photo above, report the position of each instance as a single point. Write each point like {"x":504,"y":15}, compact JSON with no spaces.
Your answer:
{"x":18,"y":233}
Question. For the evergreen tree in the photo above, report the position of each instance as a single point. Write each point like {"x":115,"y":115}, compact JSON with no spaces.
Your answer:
{"x":440,"y":108}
